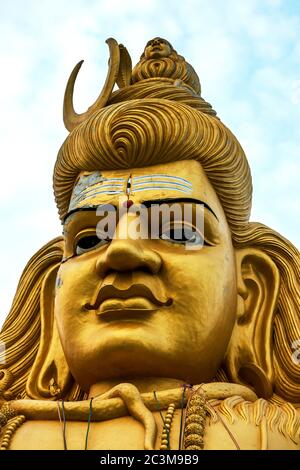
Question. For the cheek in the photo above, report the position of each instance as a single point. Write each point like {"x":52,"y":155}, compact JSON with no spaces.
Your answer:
{"x":77,"y":284}
{"x":204,"y":287}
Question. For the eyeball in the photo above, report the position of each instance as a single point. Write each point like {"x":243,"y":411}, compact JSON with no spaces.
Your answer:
{"x":88,"y":243}
{"x":182,"y":235}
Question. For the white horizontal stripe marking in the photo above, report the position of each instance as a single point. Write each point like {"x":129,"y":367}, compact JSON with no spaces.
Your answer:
{"x":173,"y":188}
{"x":153,"y":182}
{"x":162,"y":176}
{"x":105,"y":191}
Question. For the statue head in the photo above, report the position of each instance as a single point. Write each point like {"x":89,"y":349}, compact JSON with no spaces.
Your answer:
{"x":156,"y":48}
{"x":217,"y":301}
{"x":160,"y":59}
{"x":140,"y":304}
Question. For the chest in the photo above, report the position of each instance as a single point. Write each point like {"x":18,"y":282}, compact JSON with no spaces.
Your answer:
{"x":126,"y":433}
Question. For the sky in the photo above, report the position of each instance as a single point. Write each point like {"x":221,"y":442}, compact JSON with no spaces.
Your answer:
{"x":247,"y":56}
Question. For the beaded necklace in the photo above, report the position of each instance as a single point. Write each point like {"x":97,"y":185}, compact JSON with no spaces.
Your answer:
{"x":192,"y":423}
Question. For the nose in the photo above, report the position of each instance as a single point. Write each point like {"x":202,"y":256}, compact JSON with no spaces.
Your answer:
{"x":127,"y":254}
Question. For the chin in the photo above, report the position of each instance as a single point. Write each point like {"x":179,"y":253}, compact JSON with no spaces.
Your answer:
{"x":129,"y":357}
{"x":156,"y":55}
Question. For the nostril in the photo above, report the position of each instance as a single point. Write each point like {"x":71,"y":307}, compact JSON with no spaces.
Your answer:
{"x":149,"y":267}
{"x":124,"y":256}
{"x":107,"y":271}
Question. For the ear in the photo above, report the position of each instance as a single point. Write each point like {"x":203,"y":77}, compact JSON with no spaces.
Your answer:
{"x":50,"y":376}
{"x":249,"y":356}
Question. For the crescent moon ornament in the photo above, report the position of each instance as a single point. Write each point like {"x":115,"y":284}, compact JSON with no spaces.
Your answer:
{"x":125,"y":68}
{"x":73,"y":119}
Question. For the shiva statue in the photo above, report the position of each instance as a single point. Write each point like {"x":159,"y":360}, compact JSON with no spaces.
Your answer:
{"x":187,"y":338}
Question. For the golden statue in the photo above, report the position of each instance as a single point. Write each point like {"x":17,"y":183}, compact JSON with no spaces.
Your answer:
{"x":185,"y":339}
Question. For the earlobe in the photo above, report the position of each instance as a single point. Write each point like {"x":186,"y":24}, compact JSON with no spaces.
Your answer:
{"x":249,"y":355}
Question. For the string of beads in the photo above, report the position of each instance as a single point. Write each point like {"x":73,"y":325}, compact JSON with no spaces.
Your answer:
{"x":12,"y":422}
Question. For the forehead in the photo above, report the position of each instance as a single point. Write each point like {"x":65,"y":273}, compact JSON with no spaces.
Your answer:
{"x":157,"y":39}
{"x":182,"y":179}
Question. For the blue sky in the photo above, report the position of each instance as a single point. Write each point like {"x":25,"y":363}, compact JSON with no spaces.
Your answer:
{"x":247,"y":55}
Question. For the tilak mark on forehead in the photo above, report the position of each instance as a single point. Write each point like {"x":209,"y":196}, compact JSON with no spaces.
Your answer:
{"x":93,"y":184}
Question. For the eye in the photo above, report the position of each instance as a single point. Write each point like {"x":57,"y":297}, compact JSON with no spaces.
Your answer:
{"x":183,"y":235}
{"x":88,"y":243}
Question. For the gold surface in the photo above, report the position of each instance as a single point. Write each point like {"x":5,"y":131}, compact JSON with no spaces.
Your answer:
{"x":93,"y":332}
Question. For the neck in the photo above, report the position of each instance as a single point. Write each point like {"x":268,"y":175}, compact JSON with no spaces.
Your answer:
{"x":144,"y":385}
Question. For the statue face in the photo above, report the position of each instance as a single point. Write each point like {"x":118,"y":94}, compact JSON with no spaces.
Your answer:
{"x":157,"y":48}
{"x":157,"y":307}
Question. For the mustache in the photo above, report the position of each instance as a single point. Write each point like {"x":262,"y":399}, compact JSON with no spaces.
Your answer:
{"x":124,"y":289}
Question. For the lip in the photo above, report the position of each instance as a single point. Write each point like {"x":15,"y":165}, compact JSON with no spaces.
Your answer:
{"x":138,"y":297}
{"x":133,"y":307}
{"x":155,"y":50}
{"x":132,"y":303}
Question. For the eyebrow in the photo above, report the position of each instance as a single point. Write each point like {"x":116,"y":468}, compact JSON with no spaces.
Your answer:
{"x":147,"y":203}
{"x":92,"y":208}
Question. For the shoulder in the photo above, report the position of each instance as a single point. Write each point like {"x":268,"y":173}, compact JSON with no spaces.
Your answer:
{"x":235,"y":423}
